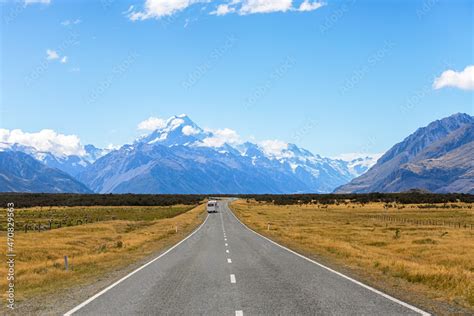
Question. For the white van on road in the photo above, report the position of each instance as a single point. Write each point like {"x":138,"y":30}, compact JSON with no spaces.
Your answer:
{"x":212,"y":206}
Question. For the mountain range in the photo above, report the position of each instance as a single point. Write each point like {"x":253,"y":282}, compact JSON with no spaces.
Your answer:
{"x":181,"y":157}
{"x":438,"y":158}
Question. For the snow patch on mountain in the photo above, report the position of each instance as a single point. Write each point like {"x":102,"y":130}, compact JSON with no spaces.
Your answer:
{"x":359,"y":163}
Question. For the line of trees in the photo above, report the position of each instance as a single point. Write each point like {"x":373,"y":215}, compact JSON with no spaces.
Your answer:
{"x":401,"y":198}
{"x":23,"y":200}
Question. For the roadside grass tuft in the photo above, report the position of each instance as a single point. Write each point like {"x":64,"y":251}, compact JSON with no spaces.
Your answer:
{"x":425,"y":241}
{"x":377,"y":244}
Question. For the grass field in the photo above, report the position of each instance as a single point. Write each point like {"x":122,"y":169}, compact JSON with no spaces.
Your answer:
{"x":58,"y":217}
{"x":117,"y":237}
{"x":427,"y":250}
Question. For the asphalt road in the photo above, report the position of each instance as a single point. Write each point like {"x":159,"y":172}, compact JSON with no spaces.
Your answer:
{"x":226,"y":269}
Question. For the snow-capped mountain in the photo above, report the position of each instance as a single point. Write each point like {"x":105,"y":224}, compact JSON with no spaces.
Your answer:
{"x":71,"y":164}
{"x":359,"y":163}
{"x":181,"y":157}
{"x":179,"y":130}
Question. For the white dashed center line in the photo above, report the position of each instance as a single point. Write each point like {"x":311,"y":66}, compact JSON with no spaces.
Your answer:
{"x":232,"y":276}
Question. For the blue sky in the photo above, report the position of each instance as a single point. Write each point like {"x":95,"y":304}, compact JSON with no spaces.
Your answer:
{"x":338,"y":77}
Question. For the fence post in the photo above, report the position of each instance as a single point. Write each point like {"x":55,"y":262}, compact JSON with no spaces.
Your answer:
{"x":66,"y":266}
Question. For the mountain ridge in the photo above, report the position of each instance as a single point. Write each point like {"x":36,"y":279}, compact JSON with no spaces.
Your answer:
{"x":437,"y":157}
{"x":19,"y":172}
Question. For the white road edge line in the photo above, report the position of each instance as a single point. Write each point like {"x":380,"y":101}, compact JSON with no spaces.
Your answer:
{"x":229,"y":260}
{"x":239,"y":313}
{"x":78,"y":307}
{"x":227,"y":251}
{"x":391,"y":298}
{"x":232,"y":278}
{"x":226,"y":245}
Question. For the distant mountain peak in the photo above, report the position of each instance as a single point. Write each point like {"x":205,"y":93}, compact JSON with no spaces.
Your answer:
{"x":450,"y":123}
{"x":177,"y":121}
{"x":437,"y":157}
{"x":177,"y":130}
{"x":460,"y":117}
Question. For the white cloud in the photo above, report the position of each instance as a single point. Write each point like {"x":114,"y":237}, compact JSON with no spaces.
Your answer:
{"x":51,"y":54}
{"x":269,"y":6}
{"x":265,"y":6}
{"x":71,"y":22}
{"x":54,"y":55}
{"x":160,"y":8}
{"x":152,"y":124}
{"x":27,"y":2}
{"x":461,"y":80}
{"x":222,"y":136}
{"x":310,"y":6}
{"x":223,"y":9}
{"x":130,"y":9}
{"x":274,"y":148}
{"x":189,"y":130}
{"x":46,"y":141}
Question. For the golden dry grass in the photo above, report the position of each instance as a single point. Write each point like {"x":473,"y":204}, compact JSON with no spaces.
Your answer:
{"x":93,"y":249}
{"x":61,"y":216}
{"x":432,"y":261}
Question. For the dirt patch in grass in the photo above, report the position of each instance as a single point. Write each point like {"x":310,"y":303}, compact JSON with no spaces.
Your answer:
{"x":407,"y":252}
